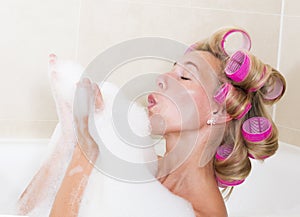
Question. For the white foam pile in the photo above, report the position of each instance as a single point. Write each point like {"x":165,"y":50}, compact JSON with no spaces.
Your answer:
{"x":112,"y":196}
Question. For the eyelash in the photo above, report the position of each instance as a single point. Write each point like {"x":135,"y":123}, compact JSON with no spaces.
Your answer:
{"x":184,"y":78}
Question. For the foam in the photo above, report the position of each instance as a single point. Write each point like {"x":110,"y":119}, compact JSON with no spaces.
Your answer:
{"x":75,"y":170}
{"x":109,"y":197}
{"x":63,"y":78}
{"x":67,"y":75}
{"x":105,"y":196}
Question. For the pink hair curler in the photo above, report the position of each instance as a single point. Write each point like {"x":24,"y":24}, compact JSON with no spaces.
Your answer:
{"x":275,"y":91}
{"x":256,"y":129}
{"x":224,"y":184}
{"x":245,"y":111}
{"x":222,"y":92}
{"x":224,"y":151}
{"x":238,"y":66}
{"x":246,"y":40}
{"x":262,"y":158}
{"x":221,"y":95}
{"x":191,"y":48}
{"x":262,"y":81}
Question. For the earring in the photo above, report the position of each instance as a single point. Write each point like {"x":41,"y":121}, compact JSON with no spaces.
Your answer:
{"x":211,"y":121}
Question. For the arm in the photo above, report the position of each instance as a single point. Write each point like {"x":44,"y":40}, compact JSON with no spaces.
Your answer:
{"x":67,"y":201}
{"x":44,"y":185}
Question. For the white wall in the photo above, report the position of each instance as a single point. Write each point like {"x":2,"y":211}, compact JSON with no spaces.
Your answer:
{"x":81,"y":29}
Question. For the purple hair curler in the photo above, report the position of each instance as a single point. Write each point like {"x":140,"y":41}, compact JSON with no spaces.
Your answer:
{"x":224,"y":184}
{"x":238,"y":66}
{"x":256,"y":129}
{"x":222,"y":92}
{"x":224,"y":151}
{"x":246,"y":40}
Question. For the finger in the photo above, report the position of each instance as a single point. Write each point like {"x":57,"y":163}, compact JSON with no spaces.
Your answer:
{"x":99,"y":104}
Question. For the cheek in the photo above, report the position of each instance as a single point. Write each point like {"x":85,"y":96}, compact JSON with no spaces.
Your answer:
{"x":173,"y":116}
{"x":202,"y":102}
{"x":166,"y":117}
{"x":187,"y":110}
{"x":199,"y":107}
{"x":170,"y":117}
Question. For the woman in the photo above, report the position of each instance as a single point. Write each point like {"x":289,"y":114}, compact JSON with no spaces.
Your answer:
{"x":204,"y":107}
{"x":190,"y":85}
{"x":229,"y":93}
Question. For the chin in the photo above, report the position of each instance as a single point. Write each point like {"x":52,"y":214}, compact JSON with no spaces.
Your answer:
{"x":161,"y":130}
{"x":158,"y":124}
{"x":156,"y":130}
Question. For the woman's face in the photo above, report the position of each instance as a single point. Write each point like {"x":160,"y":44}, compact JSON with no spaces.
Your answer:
{"x":183,"y":100}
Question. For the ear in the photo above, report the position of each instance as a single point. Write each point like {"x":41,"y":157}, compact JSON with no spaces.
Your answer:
{"x":221,"y":116}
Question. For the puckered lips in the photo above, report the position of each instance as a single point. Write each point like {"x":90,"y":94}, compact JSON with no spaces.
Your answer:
{"x":151,"y":101}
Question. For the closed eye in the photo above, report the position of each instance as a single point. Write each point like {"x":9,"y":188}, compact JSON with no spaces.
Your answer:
{"x":184,"y":78}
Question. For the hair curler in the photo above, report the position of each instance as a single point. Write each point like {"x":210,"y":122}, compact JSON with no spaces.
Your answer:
{"x":275,"y":91}
{"x":256,"y":129}
{"x":222,"y":92}
{"x":261,"y":158}
{"x":238,"y":66}
{"x":224,"y":151}
{"x":227,"y":89}
{"x":245,"y":111}
{"x":246,"y":45}
{"x":223,"y":183}
{"x":191,"y":48}
{"x":217,"y":42}
{"x":242,"y":65}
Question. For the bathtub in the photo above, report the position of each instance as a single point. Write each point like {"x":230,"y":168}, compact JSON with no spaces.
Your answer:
{"x":272,"y":189}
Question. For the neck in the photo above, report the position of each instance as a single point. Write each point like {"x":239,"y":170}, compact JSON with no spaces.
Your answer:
{"x":181,"y":173}
{"x":184,"y":149}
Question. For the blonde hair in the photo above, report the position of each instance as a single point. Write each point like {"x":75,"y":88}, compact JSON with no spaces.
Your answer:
{"x":261,"y":78}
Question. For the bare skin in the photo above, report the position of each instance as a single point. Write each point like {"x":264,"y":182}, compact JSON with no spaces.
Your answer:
{"x":69,"y":196}
{"x":195,"y":184}
{"x":59,"y":167}
{"x":55,"y":166}
{"x":190,"y":181}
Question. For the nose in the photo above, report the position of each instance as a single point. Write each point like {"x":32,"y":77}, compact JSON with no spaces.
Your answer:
{"x":161,"y":82}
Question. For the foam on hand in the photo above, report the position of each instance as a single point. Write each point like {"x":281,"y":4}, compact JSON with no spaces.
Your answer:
{"x":67,"y":74}
{"x":63,"y":76}
{"x":121,"y":124}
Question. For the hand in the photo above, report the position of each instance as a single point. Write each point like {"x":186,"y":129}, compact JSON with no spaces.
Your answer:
{"x":88,"y":99}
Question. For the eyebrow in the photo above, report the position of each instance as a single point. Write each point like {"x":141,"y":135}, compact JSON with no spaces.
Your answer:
{"x":189,"y":62}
